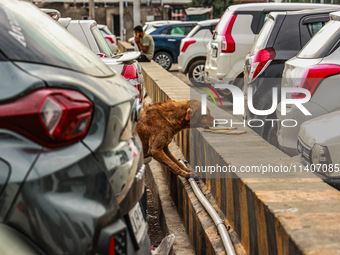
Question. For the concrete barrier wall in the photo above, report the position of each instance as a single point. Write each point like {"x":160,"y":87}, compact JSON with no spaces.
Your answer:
{"x":125,"y":46}
{"x":286,"y":215}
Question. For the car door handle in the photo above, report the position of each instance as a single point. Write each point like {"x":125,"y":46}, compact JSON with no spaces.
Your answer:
{"x":172,"y":40}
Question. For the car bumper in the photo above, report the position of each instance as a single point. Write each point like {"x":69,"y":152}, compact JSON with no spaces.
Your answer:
{"x":126,"y":242}
{"x":217,"y":71}
{"x":287,"y":136}
{"x":182,"y":63}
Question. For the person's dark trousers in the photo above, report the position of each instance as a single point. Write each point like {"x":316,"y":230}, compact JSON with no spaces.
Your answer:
{"x":143,"y":58}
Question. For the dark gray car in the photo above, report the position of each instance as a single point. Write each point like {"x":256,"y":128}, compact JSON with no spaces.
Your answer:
{"x":71,"y":166}
{"x":281,"y":38}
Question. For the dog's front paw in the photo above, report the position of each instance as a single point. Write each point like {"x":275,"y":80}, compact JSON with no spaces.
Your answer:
{"x":194,"y":175}
{"x":190,"y":174}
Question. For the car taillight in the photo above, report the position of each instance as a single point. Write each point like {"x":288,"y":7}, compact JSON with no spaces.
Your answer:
{"x":118,"y":244}
{"x":228,"y":43}
{"x":313,"y":77}
{"x":186,"y":44}
{"x":110,"y":39}
{"x":130,"y":73}
{"x":260,"y":62}
{"x":112,"y":246}
{"x":50,"y":117}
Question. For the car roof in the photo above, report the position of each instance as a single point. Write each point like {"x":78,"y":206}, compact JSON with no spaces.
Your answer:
{"x":161,"y":22}
{"x":208,"y":22}
{"x":64,"y":21}
{"x":306,"y":12}
{"x":274,"y":6}
{"x":174,"y":24}
{"x":323,"y":9}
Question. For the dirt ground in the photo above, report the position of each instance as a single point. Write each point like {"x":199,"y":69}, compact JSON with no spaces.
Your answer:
{"x":155,"y":231}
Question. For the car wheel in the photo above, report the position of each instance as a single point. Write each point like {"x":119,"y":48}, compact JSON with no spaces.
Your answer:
{"x":196,"y":73}
{"x":164,"y":59}
{"x":239,"y":82}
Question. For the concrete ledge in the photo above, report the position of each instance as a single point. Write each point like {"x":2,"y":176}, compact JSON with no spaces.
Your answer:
{"x":125,"y":46}
{"x":286,"y":215}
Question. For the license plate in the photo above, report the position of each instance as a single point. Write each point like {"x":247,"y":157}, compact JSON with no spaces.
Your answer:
{"x":137,"y":222}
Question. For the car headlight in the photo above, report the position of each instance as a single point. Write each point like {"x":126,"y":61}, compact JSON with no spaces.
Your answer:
{"x":320,"y":155}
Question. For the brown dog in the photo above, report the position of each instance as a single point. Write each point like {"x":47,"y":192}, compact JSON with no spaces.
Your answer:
{"x":158,"y":124}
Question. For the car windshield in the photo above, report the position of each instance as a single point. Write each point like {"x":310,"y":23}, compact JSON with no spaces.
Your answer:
{"x":263,"y":37}
{"x":32,"y":36}
{"x":323,"y":41}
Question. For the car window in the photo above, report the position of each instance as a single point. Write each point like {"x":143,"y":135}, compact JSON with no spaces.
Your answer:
{"x":180,"y":31}
{"x":313,"y":28}
{"x":101,"y":42}
{"x":166,"y":31}
{"x":263,"y":37}
{"x":322,"y":43}
{"x":36,"y":38}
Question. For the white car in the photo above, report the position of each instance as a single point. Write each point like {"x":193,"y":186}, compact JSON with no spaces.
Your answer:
{"x":110,"y":38}
{"x":193,"y":51}
{"x":234,"y":37}
{"x":317,"y":69}
{"x":125,"y":64}
{"x":319,"y":146}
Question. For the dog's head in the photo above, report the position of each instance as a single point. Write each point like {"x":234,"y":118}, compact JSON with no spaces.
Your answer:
{"x":195,"y":116}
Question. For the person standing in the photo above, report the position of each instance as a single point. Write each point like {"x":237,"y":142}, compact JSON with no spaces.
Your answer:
{"x":145,"y":44}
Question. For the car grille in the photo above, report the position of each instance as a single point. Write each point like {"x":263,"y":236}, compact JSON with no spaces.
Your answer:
{"x":304,"y":150}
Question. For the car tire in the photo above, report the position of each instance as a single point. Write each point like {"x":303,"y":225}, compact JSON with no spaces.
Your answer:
{"x":196,"y":72}
{"x":164,"y":59}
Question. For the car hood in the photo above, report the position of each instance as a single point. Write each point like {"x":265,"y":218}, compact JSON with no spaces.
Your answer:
{"x":323,"y":130}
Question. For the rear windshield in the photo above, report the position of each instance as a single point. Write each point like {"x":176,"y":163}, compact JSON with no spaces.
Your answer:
{"x":29,"y":35}
{"x":323,"y":42}
{"x":101,"y":42}
{"x":263,"y":37}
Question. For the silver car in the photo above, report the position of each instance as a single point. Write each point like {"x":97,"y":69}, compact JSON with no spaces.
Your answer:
{"x":319,"y":147}
{"x":317,"y":69}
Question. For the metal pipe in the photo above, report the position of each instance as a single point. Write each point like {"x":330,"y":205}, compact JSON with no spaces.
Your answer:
{"x":228,"y":245}
{"x":222,"y":230}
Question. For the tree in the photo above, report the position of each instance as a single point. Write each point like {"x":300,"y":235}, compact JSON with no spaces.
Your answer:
{"x":219,"y":5}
